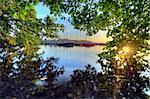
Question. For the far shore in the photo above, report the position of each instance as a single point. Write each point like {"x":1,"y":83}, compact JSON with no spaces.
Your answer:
{"x":72,"y":43}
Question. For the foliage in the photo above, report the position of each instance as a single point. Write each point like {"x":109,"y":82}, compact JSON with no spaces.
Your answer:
{"x":30,"y":79}
{"x":21,"y":33}
{"x":89,"y":83}
{"x":20,"y":27}
{"x":127,"y":23}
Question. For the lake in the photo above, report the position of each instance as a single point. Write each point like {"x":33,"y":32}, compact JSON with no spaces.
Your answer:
{"x":73,"y":57}
{"x":76,"y":58}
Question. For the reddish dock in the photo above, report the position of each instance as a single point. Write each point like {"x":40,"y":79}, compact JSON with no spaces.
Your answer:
{"x":87,"y":45}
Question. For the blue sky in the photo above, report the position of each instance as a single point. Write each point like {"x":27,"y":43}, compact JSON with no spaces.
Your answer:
{"x":70,"y":32}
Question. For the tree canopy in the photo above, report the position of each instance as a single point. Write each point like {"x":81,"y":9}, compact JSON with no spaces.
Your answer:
{"x":21,"y":33}
{"x":126,"y":21}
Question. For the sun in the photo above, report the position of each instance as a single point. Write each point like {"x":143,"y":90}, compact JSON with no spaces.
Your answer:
{"x":126,"y":49}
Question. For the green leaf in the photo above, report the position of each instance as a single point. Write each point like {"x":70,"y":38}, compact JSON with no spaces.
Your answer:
{"x":15,"y":16}
{"x":22,"y":16}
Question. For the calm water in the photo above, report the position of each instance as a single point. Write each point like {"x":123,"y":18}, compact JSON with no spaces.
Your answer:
{"x":73,"y":57}
{"x":76,"y":58}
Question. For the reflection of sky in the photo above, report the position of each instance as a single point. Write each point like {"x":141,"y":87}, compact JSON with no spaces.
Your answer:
{"x":70,"y":32}
{"x":77,"y":57}
{"x":74,"y":57}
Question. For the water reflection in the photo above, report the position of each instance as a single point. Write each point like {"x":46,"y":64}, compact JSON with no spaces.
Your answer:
{"x":73,"y":57}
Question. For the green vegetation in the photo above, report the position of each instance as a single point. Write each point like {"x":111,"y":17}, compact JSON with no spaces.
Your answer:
{"x":127,"y":22}
{"x":20,"y":35}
